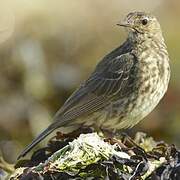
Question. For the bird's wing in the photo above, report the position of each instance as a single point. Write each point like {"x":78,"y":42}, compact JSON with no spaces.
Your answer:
{"x":110,"y":80}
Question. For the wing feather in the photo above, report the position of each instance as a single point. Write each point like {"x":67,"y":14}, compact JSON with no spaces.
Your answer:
{"x":104,"y":85}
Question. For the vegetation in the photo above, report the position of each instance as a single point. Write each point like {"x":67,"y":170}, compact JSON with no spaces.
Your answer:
{"x":92,"y":156}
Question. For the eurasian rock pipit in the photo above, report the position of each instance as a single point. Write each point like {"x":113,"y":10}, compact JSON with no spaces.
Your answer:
{"x":125,"y":86}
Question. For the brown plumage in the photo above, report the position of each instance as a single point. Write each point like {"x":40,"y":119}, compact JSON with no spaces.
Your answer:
{"x":125,"y":86}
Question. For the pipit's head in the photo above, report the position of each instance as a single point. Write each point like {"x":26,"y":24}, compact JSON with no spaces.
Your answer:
{"x":141,"y":23}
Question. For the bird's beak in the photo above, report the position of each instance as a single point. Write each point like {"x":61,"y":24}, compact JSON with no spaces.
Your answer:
{"x":124,"y":24}
{"x":128,"y":25}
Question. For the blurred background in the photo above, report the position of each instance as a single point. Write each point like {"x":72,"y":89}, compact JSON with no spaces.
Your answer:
{"x":48,"y":47}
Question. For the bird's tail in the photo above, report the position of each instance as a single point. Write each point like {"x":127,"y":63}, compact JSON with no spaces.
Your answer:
{"x":45,"y":133}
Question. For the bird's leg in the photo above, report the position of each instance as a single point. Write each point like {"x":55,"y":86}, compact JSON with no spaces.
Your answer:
{"x":128,"y":141}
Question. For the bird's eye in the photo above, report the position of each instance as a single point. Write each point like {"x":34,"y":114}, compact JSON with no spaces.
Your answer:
{"x":144,"y":21}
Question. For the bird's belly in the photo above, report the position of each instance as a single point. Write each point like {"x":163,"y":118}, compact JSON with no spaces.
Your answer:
{"x":132,"y":113}
{"x":145,"y":103}
{"x":151,"y":89}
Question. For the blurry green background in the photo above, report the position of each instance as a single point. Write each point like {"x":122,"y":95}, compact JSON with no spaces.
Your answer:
{"x":48,"y":47}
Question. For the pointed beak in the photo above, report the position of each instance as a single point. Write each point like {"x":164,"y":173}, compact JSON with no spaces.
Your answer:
{"x":124,"y":24}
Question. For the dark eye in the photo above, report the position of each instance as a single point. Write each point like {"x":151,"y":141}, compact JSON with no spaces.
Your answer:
{"x":144,"y":21}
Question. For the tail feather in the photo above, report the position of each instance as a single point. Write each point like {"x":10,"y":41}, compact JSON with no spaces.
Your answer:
{"x":40,"y":137}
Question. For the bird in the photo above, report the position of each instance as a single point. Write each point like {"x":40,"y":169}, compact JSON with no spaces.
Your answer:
{"x":126,"y":85}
